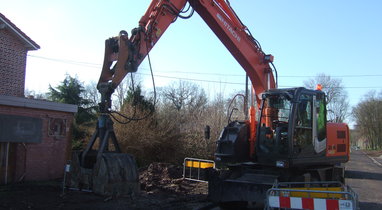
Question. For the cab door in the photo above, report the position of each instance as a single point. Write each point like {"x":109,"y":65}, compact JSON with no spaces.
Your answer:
{"x":306,"y":141}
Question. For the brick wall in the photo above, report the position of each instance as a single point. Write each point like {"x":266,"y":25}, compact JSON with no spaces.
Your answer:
{"x":12,"y":64}
{"x":45,"y":160}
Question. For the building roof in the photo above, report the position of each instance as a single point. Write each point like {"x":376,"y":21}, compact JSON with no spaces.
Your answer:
{"x":36,"y":104}
{"x":7,"y":24}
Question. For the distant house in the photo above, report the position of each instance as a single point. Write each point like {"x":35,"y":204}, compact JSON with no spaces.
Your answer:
{"x":35,"y":135}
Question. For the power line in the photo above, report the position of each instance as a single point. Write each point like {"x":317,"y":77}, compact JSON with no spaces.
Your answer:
{"x":233,"y":83}
{"x":67,"y":61}
{"x":242,"y":75}
{"x":198,"y":80}
{"x":359,"y":75}
{"x":201,"y":73}
{"x":94,"y":65}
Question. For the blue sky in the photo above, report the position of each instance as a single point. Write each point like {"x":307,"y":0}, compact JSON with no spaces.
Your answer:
{"x":341,"y":38}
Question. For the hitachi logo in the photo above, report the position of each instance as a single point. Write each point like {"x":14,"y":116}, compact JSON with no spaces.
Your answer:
{"x":230,"y":29}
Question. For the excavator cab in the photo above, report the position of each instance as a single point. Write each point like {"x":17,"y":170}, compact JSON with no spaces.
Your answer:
{"x":294,"y":143}
{"x":292,"y":128}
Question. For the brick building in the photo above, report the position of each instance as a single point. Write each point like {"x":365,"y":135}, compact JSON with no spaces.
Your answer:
{"x":35,"y":135}
{"x":14,"y":46}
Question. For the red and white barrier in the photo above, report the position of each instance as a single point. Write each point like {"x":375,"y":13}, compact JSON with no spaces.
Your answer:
{"x":309,"y":203}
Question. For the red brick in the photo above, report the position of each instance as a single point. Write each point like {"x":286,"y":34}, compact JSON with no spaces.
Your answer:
{"x":45,"y":160}
{"x":12,"y":64}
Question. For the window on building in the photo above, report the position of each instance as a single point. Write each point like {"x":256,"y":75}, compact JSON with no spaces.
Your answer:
{"x":57,"y":127}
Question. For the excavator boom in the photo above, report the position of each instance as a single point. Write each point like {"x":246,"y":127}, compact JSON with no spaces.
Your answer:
{"x":218,"y":15}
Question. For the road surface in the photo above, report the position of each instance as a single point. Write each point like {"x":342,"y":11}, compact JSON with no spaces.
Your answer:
{"x":364,"y":175}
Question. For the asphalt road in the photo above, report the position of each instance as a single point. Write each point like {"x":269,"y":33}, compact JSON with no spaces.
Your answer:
{"x":364,"y":176}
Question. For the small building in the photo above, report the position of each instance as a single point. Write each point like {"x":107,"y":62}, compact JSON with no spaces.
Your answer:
{"x":35,"y":135}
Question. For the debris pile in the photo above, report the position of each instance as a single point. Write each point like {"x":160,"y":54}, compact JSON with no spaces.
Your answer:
{"x":162,"y":187}
{"x":167,"y":178}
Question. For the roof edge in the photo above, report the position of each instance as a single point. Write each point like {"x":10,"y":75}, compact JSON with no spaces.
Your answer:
{"x":21,"y":34}
{"x":37,"y":104}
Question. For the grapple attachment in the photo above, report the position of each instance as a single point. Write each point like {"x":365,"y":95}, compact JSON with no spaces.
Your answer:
{"x":105,"y":172}
{"x":115,"y":174}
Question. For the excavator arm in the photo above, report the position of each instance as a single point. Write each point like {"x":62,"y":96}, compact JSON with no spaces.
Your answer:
{"x":129,"y":52}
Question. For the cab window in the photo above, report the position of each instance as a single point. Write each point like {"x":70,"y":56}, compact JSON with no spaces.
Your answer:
{"x":303,"y":129}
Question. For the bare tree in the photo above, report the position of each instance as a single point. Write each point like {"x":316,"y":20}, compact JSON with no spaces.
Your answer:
{"x":336,"y":96}
{"x":121,"y":93}
{"x":368,"y":117}
{"x":34,"y":94}
{"x":91,"y":93}
{"x":179,"y":120}
{"x":185,"y":95}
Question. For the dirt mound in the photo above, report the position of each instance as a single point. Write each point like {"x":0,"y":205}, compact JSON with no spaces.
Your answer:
{"x":165,"y":177}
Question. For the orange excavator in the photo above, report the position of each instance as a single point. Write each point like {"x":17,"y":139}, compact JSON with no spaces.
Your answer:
{"x":286,"y":136}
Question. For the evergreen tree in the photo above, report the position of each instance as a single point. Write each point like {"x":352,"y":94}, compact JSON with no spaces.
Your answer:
{"x":135,"y":98}
{"x":71,"y":91}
